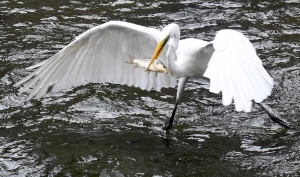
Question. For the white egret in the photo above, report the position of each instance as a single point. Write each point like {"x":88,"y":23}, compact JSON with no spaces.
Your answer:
{"x":98,"y":55}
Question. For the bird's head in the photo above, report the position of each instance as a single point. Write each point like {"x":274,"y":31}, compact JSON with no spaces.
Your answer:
{"x":170,"y":32}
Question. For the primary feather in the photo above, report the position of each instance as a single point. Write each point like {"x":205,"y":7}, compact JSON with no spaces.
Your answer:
{"x":98,"y":55}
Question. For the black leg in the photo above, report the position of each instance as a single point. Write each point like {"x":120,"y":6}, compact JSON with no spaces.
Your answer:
{"x":274,"y":118}
{"x":169,"y":126}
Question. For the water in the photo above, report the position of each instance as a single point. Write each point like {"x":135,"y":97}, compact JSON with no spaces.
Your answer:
{"x":112,"y":130}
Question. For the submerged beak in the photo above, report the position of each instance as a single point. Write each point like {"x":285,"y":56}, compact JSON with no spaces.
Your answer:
{"x":157,"y":51}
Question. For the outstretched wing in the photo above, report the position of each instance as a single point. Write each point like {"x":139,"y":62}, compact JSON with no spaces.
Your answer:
{"x":99,"y":55}
{"x":236,"y":70}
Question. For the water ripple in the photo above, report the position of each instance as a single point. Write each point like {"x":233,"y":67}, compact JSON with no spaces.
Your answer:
{"x":107,"y":129}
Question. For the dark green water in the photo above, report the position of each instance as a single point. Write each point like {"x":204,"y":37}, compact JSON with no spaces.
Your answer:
{"x":112,"y":130}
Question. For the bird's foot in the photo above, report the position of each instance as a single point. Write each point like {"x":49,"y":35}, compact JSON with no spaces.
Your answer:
{"x":279,"y":121}
{"x":168,"y":126}
{"x":275,"y":118}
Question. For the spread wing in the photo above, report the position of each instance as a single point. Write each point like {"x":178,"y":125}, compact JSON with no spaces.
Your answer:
{"x":236,"y":70}
{"x":99,"y":55}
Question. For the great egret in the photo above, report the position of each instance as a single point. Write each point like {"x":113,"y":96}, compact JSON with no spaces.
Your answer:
{"x":98,"y":55}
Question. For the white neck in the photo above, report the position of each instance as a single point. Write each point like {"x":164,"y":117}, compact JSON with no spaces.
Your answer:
{"x":172,"y":58}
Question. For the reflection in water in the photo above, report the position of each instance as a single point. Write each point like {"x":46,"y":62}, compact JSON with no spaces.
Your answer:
{"x":112,"y":130}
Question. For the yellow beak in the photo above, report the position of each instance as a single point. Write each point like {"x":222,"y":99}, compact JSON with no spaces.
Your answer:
{"x":157,"y":51}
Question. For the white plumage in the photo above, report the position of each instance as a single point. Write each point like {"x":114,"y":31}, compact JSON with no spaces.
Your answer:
{"x":236,"y":70}
{"x":99,"y":55}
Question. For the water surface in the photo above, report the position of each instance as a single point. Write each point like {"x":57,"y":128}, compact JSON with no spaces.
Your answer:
{"x":113,"y":130}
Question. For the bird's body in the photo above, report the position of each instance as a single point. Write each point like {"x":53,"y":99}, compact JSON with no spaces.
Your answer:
{"x":229,"y":62}
{"x":195,"y":65}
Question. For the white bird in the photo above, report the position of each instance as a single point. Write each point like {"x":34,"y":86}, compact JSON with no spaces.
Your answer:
{"x":98,"y":55}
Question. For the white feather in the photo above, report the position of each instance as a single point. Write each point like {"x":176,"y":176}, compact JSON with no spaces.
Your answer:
{"x":98,"y":55}
{"x":236,"y":70}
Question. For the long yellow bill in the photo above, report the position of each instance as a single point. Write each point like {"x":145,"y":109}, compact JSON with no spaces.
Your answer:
{"x":157,"y":51}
